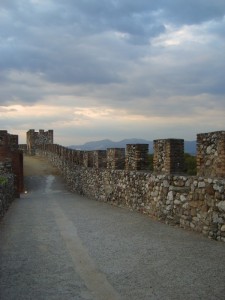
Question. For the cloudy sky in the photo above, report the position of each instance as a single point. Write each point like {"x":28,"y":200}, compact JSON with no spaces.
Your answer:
{"x":95,"y":69}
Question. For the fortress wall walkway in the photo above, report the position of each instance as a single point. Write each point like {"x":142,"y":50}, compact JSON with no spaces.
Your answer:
{"x":59,"y":245}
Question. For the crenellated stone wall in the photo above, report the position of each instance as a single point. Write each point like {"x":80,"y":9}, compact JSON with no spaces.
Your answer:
{"x":136,"y":157}
{"x":38,"y":138}
{"x":115,"y":158}
{"x":9,"y":152}
{"x":168,"y":156}
{"x":23,"y":148}
{"x":6,"y":167}
{"x":88,"y":159}
{"x":7,"y":186}
{"x":99,"y":159}
{"x":211,"y":154}
{"x":192,"y":202}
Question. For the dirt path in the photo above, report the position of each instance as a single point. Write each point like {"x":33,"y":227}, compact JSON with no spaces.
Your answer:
{"x":35,"y":165}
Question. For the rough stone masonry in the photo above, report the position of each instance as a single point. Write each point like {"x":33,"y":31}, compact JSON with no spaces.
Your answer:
{"x":211,"y":154}
{"x":193,"y":202}
{"x":11,"y":170}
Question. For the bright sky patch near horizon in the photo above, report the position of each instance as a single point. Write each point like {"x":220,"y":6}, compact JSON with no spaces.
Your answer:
{"x":113,"y":69}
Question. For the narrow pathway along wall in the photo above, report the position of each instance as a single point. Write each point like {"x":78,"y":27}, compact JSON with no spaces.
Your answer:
{"x":195,"y":202}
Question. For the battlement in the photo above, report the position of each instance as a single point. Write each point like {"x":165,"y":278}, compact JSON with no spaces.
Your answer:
{"x":11,"y":155}
{"x":136,"y":156}
{"x":168,"y":156}
{"x":211,"y":154}
{"x":121,"y":177}
{"x":9,"y":141}
{"x":38,"y":138}
{"x":115,"y":158}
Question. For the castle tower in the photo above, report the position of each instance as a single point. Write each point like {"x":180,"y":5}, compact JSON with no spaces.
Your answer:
{"x":34,"y":139}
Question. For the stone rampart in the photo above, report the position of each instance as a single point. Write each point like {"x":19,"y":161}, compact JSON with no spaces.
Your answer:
{"x":7,"y":188}
{"x":211,"y":154}
{"x":9,"y":151}
{"x":34,"y":139}
{"x":192,"y":202}
{"x":23,"y":148}
{"x":136,"y":157}
{"x":88,"y":158}
{"x":168,"y":156}
{"x":99,"y":159}
{"x":115,"y":158}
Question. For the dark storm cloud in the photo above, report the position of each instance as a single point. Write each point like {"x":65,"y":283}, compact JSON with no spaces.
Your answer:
{"x":140,"y":21}
{"x":137,"y":18}
{"x":103,"y":42}
{"x":194,"y":12}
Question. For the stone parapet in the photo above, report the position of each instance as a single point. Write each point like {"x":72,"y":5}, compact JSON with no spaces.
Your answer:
{"x":6,"y":166}
{"x":191,"y":202}
{"x":79,"y":157}
{"x":168,"y":156}
{"x":34,"y":139}
{"x":88,"y":159}
{"x":136,"y":157}
{"x":99,"y":159}
{"x":9,"y":151}
{"x":211,"y":154}
{"x":116,"y":158}
{"x":7,"y":191}
{"x":23,"y":148}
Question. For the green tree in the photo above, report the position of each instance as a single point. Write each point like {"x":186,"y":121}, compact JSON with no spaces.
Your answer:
{"x":190,"y":166}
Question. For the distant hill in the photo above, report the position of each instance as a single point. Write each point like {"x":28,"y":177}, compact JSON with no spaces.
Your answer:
{"x":189,"y":146}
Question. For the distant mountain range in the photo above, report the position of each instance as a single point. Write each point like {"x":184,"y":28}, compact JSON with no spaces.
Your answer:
{"x":189,"y":146}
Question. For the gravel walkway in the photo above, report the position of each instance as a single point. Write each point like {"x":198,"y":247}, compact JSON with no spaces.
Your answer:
{"x":59,"y":245}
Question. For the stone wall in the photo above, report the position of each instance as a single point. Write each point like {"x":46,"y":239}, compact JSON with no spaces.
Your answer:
{"x":136,"y":157}
{"x":88,"y":158}
{"x":115,"y":158}
{"x":7,"y":188}
{"x":99,"y":159}
{"x":9,"y":151}
{"x":192,"y":202}
{"x":23,"y":148}
{"x":38,"y":138}
{"x":211,"y":154}
{"x":168,"y":156}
